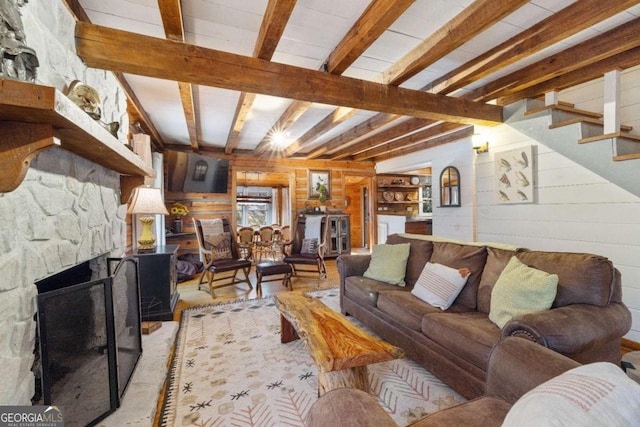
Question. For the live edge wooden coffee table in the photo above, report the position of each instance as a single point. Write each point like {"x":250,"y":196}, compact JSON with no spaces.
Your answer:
{"x":341,"y":350}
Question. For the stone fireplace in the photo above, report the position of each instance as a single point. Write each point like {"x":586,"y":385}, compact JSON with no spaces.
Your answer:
{"x":66,"y":211}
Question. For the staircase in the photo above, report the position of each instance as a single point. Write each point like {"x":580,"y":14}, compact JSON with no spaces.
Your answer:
{"x":579,"y":136}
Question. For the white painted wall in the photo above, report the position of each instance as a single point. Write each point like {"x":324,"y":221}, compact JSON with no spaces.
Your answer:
{"x":456,"y":223}
{"x":576,"y":210}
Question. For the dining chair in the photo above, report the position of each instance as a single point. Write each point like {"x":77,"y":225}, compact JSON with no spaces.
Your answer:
{"x":283,"y":242}
{"x":265,"y":243}
{"x":220,"y":254}
{"x":245,"y":242}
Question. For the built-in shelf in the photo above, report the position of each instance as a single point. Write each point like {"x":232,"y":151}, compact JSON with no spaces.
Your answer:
{"x":35,"y":117}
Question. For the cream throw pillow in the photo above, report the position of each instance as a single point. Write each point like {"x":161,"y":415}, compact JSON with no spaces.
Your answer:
{"x":439,"y":285}
{"x":593,"y":395}
{"x":389,"y":263}
{"x":521,"y":289}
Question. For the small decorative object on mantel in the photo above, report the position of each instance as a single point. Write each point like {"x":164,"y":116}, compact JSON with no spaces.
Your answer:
{"x":85,"y":97}
{"x":17,"y":60}
{"x":178,"y":210}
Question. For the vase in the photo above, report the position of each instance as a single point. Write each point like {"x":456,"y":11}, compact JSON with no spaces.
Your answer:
{"x":177,"y":225}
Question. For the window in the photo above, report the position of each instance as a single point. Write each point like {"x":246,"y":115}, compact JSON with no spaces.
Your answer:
{"x":424,"y":200}
{"x":252,"y":211}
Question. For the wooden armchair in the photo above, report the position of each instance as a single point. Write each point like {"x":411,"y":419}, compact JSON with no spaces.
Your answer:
{"x":304,"y":258}
{"x":220,"y":254}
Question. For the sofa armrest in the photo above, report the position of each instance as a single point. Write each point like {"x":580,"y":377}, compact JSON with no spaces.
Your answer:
{"x":517,"y":365}
{"x":573,"y":328}
{"x":351,"y":265}
{"x":348,"y":407}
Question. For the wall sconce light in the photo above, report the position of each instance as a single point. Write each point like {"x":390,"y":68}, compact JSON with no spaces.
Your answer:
{"x":148,"y":202}
{"x":482,"y":148}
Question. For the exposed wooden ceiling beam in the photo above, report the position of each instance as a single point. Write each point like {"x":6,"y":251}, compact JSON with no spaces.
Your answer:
{"x":334,"y":118}
{"x":386,"y":135}
{"x":623,"y":60}
{"x":370,"y":125}
{"x":431,"y":143}
{"x":570,"y":20}
{"x":473,"y":19}
{"x":274,"y":21}
{"x":409,"y":140}
{"x":171,"y":14}
{"x":462,"y":28}
{"x":286,"y":120}
{"x":117,"y":50}
{"x":617,"y":40}
{"x":374,"y":21}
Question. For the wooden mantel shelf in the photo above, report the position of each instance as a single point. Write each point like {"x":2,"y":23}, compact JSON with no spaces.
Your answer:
{"x":35,"y":117}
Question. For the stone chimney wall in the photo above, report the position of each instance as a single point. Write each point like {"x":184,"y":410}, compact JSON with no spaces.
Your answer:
{"x":66,"y":211}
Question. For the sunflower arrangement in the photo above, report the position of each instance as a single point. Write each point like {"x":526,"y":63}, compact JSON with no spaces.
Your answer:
{"x":179,"y":209}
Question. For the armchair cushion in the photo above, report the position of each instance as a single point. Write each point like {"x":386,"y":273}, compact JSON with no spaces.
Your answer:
{"x":309,"y":246}
{"x":521,"y":289}
{"x":389,"y":263}
{"x":219,"y":244}
{"x":596,"y":394}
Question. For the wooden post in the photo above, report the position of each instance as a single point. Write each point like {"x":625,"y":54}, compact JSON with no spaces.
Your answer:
{"x":612,"y":102}
{"x":551,"y":98}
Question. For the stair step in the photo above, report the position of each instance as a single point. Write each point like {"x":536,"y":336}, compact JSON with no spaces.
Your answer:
{"x":566,"y":104}
{"x":609,"y":136}
{"x":563,"y":107}
{"x":626,"y":157}
{"x":593,"y":121}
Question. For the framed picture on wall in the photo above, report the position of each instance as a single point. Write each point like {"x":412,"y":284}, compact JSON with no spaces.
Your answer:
{"x":514,"y":176}
{"x":320,"y":184}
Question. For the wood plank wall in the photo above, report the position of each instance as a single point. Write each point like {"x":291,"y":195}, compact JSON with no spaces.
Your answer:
{"x":210,"y":205}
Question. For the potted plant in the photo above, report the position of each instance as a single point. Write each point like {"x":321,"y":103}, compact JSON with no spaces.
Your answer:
{"x":178,"y":210}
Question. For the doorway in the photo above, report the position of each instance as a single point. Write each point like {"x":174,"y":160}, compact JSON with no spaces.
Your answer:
{"x":357,"y":190}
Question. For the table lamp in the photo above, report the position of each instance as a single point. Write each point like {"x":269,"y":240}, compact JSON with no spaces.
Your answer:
{"x":147,"y":201}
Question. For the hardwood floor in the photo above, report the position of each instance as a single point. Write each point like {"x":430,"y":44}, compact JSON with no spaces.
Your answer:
{"x":190,"y":296}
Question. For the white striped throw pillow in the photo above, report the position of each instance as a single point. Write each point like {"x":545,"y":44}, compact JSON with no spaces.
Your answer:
{"x":439,"y":285}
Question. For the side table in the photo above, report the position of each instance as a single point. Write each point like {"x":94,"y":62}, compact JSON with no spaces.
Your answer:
{"x":158,"y":282}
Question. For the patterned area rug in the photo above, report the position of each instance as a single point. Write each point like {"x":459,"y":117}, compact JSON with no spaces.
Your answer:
{"x":230,"y":369}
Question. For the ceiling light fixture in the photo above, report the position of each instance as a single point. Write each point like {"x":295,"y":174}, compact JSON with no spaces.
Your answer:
{"x":279,"y":139}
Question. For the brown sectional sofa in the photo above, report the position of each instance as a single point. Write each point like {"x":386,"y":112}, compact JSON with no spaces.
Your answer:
{"x":585,"y":323}
{"x":515,"y":367}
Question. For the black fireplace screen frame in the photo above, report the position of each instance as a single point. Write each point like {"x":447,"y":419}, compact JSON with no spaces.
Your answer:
{"x":119,"y":341}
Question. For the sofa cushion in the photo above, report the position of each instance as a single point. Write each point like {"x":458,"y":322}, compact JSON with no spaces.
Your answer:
{"x":497,"y":260}
{"x":462,"y":256}
{"x":366,"y":290}
{"x":405,"y":308}
{"x":439,"y":285}
{"x":470,"y":336}
{"x":389,"y":263}
{"x":597,"y":394}
{"x":520,"y":290}
{"x":419,"y":253}
{"x":582,"y":278}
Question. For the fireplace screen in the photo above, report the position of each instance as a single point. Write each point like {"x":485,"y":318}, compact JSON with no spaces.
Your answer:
{"x":90,"y":341}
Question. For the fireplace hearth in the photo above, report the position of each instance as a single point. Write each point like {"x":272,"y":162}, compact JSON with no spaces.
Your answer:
{"x":89,"y":337}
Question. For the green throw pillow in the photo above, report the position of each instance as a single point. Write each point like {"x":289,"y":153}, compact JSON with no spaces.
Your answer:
{"x":389,"y":263}
{"x":521,"y":289}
